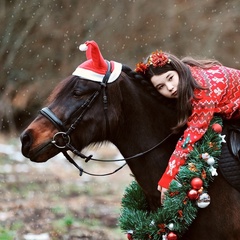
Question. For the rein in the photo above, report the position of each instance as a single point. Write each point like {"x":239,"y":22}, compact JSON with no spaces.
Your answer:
{"x":62,"y":139}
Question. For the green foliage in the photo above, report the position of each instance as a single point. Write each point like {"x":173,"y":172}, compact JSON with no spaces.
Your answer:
{"x":134,"y":198}
{"x":64,"y":224}
{"x":68,"y":221}
{"x":177,"y":210}
{"x":6,"y":234}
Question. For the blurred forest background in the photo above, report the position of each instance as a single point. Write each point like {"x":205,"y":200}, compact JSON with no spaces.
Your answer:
{"x":39,"y":41}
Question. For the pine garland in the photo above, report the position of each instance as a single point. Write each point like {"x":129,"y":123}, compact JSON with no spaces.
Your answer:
{"x":179,"y":209}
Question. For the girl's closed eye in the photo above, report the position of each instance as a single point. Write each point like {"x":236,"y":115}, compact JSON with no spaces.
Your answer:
{"x":159,"y":87}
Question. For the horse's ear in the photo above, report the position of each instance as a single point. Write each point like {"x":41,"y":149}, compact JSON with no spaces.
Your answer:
{"x":93,"y":53}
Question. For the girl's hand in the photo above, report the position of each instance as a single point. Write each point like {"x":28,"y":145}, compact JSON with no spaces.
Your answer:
{"x":162,"y":190}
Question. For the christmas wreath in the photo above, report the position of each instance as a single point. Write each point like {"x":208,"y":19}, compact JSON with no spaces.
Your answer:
{"x":186,"y":194}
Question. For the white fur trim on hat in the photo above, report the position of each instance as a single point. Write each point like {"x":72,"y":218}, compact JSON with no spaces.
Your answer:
{"x":93,"y":76}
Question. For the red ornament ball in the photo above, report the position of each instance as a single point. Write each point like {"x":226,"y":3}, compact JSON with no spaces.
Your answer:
{"x":172,"y":236}
{"x":196,"y":183}
{"x":193,"y":194}
{"x":217,"y":127}
{"x":129,"y":236}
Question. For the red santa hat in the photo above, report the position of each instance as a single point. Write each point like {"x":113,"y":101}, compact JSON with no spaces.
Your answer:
{"x":95,"y":67}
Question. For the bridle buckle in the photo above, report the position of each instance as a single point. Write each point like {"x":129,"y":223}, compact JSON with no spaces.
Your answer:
{"x":61,"y":140}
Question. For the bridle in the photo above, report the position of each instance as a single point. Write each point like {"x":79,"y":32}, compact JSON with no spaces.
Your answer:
{"x":62,"y":139}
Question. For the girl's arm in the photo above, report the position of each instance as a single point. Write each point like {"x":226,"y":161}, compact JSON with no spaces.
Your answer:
{"x":197,"y":125}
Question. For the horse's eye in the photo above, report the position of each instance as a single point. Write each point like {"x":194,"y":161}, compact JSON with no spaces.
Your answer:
{"x":77,"y":93}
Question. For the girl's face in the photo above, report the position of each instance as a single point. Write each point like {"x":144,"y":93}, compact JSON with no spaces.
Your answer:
{"x":166,"y":84}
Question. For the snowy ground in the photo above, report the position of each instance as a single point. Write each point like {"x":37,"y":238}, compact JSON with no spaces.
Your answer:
{"x":48,"y":201}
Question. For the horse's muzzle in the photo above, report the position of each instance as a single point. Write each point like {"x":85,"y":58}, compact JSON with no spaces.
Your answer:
{"x":27,"y":140}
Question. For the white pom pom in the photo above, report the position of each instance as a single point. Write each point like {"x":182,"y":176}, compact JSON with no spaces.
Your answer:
{"x":210,"y":161}
{"x":83,"y":47}
{"x":171,"y":226}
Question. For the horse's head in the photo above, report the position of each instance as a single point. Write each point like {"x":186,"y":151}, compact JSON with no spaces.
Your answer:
{"x":73,"y":114}
{"x":72,"y":98}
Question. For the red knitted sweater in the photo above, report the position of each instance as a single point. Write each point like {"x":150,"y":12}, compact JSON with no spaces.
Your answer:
{"x":222,"y":97}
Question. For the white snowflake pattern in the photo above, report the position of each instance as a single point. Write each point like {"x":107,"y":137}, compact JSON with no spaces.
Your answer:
{"x":218,"y":91}
{"x":213,"y":171}
{"x":222,"y":138}
{"x":212,"y":71}
{"x":172,"y":165}
{"x":216,"y":79}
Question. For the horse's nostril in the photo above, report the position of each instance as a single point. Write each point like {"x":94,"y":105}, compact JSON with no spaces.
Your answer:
{"x":26,"y":139}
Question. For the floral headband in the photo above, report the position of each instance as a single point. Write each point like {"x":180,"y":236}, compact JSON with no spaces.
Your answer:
{"x":157,"y":59}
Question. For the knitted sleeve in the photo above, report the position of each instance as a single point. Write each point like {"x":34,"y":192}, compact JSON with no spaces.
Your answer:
{"x":197,"y":125}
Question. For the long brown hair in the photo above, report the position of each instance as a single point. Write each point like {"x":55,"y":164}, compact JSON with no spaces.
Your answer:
{"x":187,"y":84}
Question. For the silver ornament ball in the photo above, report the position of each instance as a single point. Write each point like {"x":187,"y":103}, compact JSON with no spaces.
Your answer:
{"x":203,"y":200}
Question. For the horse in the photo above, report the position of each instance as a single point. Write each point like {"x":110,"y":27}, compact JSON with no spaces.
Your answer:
{"x":124,"y":112}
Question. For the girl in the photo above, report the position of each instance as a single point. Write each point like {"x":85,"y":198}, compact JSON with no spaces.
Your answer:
{"x":201,"y":89}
